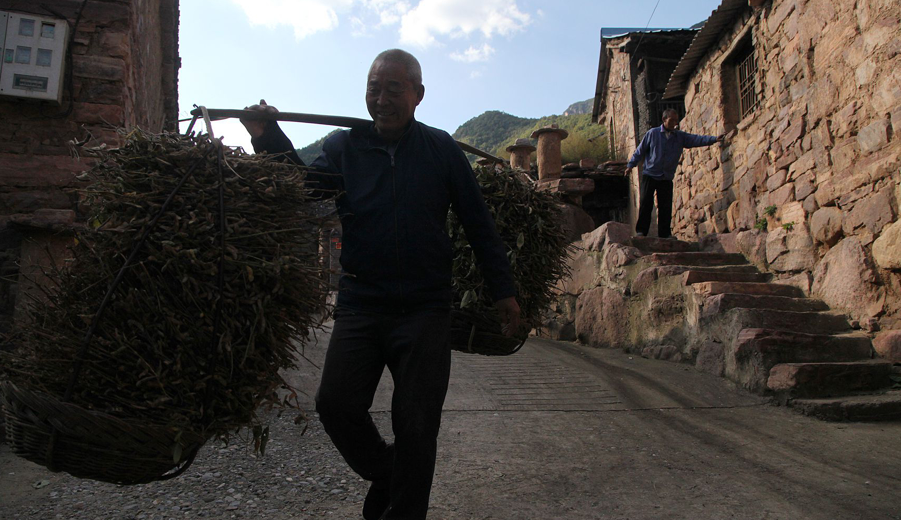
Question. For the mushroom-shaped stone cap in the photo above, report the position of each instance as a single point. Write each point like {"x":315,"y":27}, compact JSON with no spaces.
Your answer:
{"x":521,"y":144}
{"x":553,"y":128}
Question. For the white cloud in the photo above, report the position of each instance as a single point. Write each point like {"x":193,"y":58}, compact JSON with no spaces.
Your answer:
{"x":472,"y":55}
{"x":457,"y":18}
{"x":305,"y":16}
{"x":475,"y":74}
{"x":389,"y":12}
{"x":420,"y":25}
{"x":375,"y":14}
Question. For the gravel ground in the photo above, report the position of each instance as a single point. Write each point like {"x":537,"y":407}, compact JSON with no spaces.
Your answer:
{"x":301,"y":476}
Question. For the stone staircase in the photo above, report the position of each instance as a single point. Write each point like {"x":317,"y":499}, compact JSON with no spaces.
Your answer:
{"x":765,"y":336}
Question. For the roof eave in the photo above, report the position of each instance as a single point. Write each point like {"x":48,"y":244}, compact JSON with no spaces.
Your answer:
{"x":706,"y":37}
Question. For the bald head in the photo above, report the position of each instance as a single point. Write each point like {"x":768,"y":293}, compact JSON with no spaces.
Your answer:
{"x":403,"y":58}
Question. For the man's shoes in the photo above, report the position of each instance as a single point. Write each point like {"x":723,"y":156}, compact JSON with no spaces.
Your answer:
{"x":639,"y":234}
{"x":377,"y":500}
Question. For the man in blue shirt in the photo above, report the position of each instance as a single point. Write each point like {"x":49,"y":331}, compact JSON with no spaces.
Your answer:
{"x":661,"y":148}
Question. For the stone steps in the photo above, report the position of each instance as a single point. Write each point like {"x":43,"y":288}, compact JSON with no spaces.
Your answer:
{"x":727,"y":274}
{"x":748,"y":288}
{"x":875,"y":407}
{"x":819,"y":380}
{"x":662,"y":245}
{"x":653,"y":273}
{"x":721,"y":303}
{"x":805,"y":322}
{"x":767,"y":337}
{"x":755,"y":351}
{"x":694,"y":259}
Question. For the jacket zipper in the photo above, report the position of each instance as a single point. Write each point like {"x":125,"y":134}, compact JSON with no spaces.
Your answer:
{"x":396,"y":229}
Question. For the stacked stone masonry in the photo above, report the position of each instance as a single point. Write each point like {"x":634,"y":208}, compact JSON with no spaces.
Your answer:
{"x":818,"y":163}
{"x":122,"y":73}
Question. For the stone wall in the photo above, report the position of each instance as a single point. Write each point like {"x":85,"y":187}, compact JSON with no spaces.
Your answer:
{"x":122,"y":73}
{"x":619,"y":114}
{"x":817,"y":164}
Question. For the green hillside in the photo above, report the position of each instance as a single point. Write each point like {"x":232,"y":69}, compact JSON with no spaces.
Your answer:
{"x":488,"y":130}
{"x":310,"y":152}
{"x":493,"y":131}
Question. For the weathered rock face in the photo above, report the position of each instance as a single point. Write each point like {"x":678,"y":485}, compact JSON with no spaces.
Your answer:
{"x":888,"y":345}
{"x":611,"y":232}
{"x":602,"y":318}
{"x":826,"y":225}
{"x":576,"y":221}
{"x":790,"y":250}
{"x":752,"y":244}
{"x":887,"y":248}
{"x":845,"y":279}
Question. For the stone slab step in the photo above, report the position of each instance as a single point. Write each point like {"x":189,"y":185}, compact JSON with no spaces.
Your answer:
{"x":754,"y":352}
{"x":800,"y":380}
{"x":695,"y":275}
{"x":651,"y":274}
{"x":805,"y":322}
{"x":662,"y":245}
{"x":695,"y":259}
{"x":720,"y":303}
{"x":752,"y":288}
{"x":859,"y":408}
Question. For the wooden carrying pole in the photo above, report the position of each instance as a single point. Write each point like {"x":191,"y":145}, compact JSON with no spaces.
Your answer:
{"x":216,"y":114}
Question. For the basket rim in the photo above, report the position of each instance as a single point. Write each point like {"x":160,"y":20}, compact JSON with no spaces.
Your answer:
{"x":10,"y":391}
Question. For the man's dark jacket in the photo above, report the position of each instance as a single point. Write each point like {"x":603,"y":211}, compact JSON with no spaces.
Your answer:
{"x":396,"y":254}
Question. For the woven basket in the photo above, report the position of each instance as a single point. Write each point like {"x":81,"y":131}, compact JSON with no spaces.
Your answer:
{"x":477,"y":334}
{"x":86,"y":444}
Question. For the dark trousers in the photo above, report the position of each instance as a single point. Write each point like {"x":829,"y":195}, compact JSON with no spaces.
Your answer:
{"x":415,"y":349}
{"x":664,"y":189}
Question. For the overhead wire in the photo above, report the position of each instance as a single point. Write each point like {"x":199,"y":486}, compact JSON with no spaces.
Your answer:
{"x":635,"y":52}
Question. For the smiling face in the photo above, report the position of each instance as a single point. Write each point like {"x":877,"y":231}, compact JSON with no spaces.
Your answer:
{"x":391,"y":98}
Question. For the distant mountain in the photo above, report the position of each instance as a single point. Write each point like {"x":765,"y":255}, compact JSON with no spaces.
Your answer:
{"x":582,"y":107}
{"x":494,"y":130}
{"x":486,"y":131}
{"x":310,"y":152}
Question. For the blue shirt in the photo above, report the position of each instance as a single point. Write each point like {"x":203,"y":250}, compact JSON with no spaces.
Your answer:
{"x":661,"y":153}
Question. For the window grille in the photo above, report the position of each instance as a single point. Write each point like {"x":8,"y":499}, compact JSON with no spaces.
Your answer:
{"x":747,"y":83}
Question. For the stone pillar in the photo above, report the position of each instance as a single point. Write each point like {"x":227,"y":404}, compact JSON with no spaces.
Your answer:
{"x":550,"y":162}
{"x":521,"y":154}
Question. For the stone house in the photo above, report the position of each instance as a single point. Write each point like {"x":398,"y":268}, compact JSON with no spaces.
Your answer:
{"x":811,"y":92}
{"x":633,"y":70}
{"x":118,"y":68}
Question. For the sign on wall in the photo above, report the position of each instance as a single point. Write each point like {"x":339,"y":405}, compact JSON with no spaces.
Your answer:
{"x":33,"y":56}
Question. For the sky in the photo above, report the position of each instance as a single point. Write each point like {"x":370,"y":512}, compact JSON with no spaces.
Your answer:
{"x":529,"y":58}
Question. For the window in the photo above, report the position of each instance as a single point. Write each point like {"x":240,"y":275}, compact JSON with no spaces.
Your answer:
{"x":45,"y":56}
{"x":48,"y":30}
{"x":740,"y":80}
{"x":747,"y":82}
{"x":26,"y":27}
{"x":23,"y":55}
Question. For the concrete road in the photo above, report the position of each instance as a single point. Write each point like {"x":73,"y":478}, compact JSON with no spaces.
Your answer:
{"x":556,"y":431}
{"x":562,"y":431}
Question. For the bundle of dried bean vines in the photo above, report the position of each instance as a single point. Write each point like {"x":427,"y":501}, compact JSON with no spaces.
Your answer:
{"x":529,"y":222}
{"x":177,"y":345}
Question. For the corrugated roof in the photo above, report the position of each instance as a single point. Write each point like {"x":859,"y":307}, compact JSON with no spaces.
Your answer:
{"x":614,"y":32}
{"x":618,"y":32}
{"x":709,"y":34}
